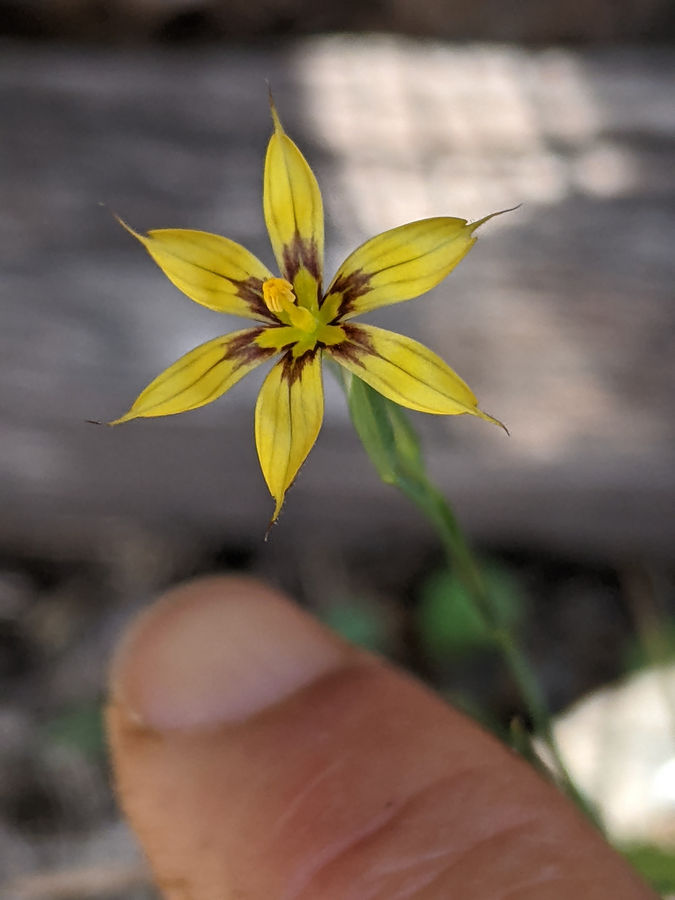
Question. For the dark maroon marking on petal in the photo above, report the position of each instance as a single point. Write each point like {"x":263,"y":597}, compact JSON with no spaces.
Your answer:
{"x":291,"y":369}
{"x":285,"y":347}
{"x":357,"y":345}
{"x":241,"y":350}
{"x":250,"y":291}
{"x":302,"y":254}
{"x":245,"y":349}
{"x":351,"y":286}
{"x":191,"y":384}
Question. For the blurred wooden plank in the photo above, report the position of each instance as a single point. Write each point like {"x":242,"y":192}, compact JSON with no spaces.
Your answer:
{"x":561,"y":319}
{"x":123,"y":21}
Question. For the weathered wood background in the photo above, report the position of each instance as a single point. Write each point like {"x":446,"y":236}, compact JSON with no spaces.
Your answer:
{"x":561,"y":318}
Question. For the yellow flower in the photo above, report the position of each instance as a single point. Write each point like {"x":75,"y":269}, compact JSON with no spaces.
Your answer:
{"x":299,"y":322}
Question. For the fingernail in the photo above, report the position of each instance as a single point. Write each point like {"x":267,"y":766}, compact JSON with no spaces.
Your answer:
{"x":217,"y":651}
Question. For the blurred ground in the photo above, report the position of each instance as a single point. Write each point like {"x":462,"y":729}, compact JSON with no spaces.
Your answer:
{"x":561,"y":319}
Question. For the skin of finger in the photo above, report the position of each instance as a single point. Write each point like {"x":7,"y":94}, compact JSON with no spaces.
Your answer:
{"x":362,"y":785}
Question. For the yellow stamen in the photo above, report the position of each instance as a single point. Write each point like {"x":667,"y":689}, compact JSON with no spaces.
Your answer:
{"x":275,"y":292}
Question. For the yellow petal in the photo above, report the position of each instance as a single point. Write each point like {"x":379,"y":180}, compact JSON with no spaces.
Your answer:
{"x":200,"y":376}
{"x":210,"y":269}
{"x":288,"y":417}
{"x":279,"y":338}
{"x":406,"y":372}
{"x":400,"y":264}
{"x":294,"y":215}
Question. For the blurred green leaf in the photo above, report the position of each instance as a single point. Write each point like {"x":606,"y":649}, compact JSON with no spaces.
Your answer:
{"x":81,"y":727}
{"x":360,"y":622}
{"x":447,"y":620}
{"x":656,"y":865}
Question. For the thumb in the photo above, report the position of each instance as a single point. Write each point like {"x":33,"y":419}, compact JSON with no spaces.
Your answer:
{"x":257,"y":755}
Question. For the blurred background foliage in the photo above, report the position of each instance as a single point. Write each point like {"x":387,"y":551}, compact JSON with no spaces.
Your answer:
{"x":561,"y":320}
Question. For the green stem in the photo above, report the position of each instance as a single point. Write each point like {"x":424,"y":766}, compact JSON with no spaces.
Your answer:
{"x":394,"y":449}
{"x":463,"y":562}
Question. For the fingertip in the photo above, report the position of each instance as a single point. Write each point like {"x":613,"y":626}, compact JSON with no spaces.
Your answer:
{"x":218,"y":650}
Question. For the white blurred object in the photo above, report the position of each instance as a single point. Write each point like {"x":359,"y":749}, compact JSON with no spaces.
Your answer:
{"x":619,"y":746}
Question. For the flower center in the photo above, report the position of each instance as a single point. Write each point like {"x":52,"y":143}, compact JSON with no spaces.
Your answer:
{"x":280,"y":299}
{"x":299,"y":328}
{"x":275,"y":292}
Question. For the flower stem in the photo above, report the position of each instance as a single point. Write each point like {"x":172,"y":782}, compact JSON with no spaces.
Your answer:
{"x":394,"y":449}
{"x":463,"y":563}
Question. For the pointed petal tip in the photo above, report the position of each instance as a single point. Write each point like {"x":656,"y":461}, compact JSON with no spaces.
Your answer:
{"x":474,"y":225}
{"x":275,"y":517}
{"x":488,"y":418}
{"x":278,"y":127}
{"x":127,"y":227}
{"x":125,"y":418}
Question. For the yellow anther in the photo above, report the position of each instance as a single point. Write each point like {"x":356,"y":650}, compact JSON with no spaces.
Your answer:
{"x":275,"y":292}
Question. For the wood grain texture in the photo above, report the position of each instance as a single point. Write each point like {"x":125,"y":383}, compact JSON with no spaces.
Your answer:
{"x":561,"y":319}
